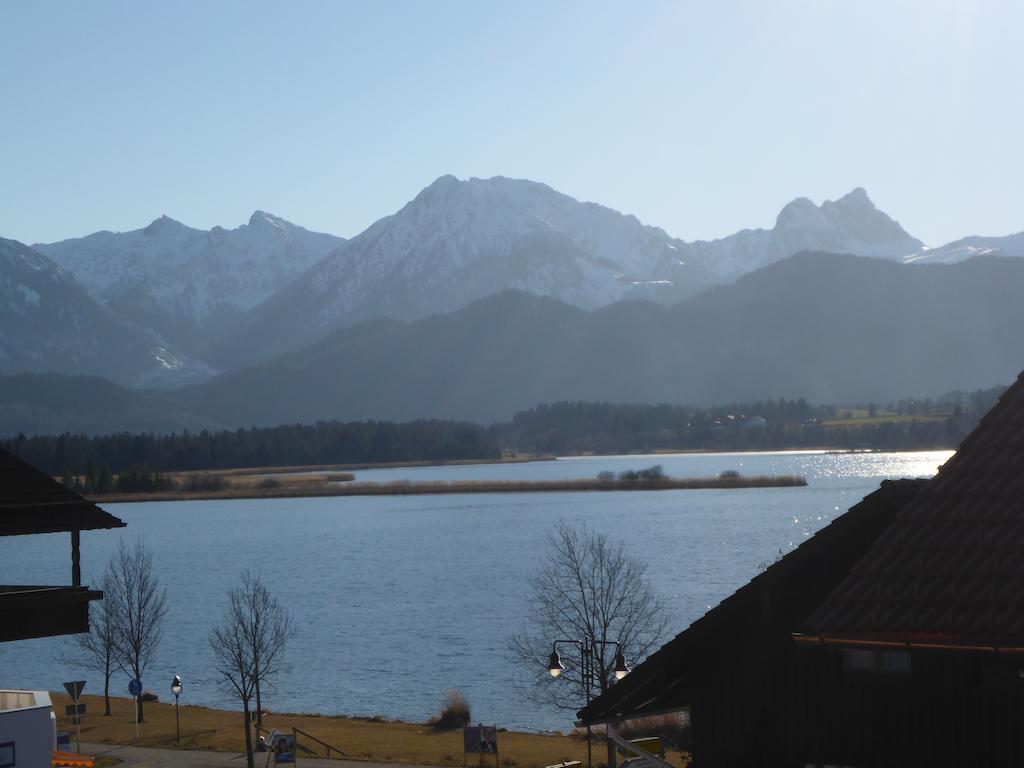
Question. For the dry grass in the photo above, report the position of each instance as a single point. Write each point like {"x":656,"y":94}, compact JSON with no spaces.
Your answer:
{"x":401,"y":487}
{"x":361,"y":738}
{"x":192,"y":486}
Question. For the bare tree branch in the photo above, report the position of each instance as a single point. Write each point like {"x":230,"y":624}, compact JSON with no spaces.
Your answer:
{"x":249,"y":645}
{"x":588,"y":587}
{"x":138,"y":607}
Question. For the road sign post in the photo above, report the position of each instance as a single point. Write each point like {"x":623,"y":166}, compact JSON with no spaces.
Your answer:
{"x":135,"y":689}
{"x":74,"y":689}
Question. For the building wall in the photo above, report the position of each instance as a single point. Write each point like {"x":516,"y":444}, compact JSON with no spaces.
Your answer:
{"x":28,"y":726}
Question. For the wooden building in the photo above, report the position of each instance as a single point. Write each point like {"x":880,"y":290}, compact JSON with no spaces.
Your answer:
{"x":893,"y":637}
{"x":30,"y":503}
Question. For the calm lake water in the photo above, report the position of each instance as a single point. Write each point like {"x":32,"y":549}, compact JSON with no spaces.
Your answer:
{"x":398,"y":599}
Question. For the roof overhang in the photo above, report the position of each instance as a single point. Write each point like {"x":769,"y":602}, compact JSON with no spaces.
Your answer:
{"x":40,"y":611}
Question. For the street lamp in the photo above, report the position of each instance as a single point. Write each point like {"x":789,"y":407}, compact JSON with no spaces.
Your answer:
{"x":176,"y":690}
{"x":586,"y":647}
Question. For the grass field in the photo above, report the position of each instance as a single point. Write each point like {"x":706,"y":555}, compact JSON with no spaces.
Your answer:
{"x":362,"y":739}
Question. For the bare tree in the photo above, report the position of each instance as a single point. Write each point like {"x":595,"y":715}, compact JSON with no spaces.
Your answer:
{"x":249,"y":645}
{"x":269,"y":632}
{"x":587,"y":589}
{"x":97,"y":648}
{"x":138,"y":608}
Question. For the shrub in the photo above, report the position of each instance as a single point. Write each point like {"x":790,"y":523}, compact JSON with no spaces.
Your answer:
{"x":453,"y":713}
{"x":149,"y":696}
{"x":606,"y":476}
{"x":655,"y":472}
{"x":729,"y":474}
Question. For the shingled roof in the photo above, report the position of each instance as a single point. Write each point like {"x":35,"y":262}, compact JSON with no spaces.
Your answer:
{"x":949,"y":571}
{"x":32,"y":502}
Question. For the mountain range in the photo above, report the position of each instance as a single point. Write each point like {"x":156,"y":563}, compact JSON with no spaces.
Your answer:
{"x":189,"y":284}
{"x":169,"y":305}
{"x":50,"y":322}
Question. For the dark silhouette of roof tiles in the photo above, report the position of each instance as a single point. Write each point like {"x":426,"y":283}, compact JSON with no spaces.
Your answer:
{"x":32,"y":502}
{"x":950,"y":568}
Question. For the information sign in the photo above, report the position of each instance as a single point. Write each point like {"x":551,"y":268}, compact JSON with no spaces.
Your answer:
{"x":283,"y":746}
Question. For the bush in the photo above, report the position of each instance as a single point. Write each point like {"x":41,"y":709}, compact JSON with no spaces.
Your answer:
{"x":729,"y":474}
{"x":453,"y":713}
{"x":656,"y":472}
{"x":149,"y":696}
{"x":606,"y":476}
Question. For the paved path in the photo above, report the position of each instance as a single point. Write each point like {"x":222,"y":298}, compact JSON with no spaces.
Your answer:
{"x":151,"y":757}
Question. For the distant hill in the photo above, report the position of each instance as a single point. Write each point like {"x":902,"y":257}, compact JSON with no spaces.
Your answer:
{"x":827,"y":327}
{"x":49,"y":322}
{"x":51,"y":404}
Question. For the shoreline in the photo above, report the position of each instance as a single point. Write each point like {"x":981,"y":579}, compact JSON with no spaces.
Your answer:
{"x":431,"y":488}
{"x":364,"y":739}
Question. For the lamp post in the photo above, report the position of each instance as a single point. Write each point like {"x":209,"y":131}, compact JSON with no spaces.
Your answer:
{"x":586,"y":647}
{"x":176,"y":690}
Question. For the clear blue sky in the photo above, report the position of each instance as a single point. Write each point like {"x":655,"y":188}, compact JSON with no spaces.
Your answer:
{"x":701,"y":117}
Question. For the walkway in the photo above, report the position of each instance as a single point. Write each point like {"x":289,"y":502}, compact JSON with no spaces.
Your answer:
{"x":151,"y":757}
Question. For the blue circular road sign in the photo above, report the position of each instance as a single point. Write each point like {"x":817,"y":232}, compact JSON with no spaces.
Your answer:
{"x":135,"y":687}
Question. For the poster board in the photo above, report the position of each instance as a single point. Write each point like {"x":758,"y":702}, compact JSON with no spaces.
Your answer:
{"x":480,"y":740}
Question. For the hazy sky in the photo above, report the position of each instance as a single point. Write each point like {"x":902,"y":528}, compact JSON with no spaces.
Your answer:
{"x":701,"y":118}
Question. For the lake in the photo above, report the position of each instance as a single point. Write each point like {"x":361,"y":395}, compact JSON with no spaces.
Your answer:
{"x":399,"y":598}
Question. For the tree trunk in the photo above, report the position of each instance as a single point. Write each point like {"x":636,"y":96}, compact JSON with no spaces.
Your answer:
{"x":106,"y":693}
{"x":249,"y":760}
{"x":259,"y":705}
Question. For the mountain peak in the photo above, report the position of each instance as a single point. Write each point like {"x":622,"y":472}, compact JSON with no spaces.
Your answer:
{"x":164,"y":224}
{"x":856,"y":199}
{"x":797,"y":213}
{"x":262,"y":218}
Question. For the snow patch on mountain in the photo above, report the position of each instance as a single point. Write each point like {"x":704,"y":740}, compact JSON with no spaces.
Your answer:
{"x":969,"y":247}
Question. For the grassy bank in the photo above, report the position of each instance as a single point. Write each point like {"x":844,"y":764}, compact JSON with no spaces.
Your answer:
{"x":363,"y":739}
{"x":329,"y":485}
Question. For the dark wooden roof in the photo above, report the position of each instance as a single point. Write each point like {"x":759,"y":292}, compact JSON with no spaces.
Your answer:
{"x":759,"y":617}
{"x":32,"y":502}
{"x":950,"y":569}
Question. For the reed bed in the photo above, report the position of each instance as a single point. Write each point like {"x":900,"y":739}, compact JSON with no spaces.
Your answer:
{"x":403,"y":487}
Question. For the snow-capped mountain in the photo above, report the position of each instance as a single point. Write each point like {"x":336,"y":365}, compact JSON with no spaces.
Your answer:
{"x":188,"y":283}
{"x":851,"y":224}
{"x":49,"y":322}
{"x":968,"y":247}
{"x":459,"y":241}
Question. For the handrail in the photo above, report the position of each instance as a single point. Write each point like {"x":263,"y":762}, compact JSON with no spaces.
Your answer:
{"x":321,"y":742}
{"x":628,"y":746}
